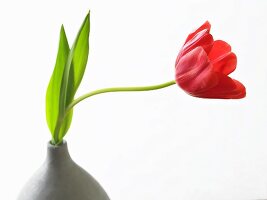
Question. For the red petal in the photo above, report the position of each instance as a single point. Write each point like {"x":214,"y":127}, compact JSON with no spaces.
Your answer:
{"x":204,"y":26}
{"x":203,"y":39}
{"x":226,"y":88}
{"x":199,"y":37}
{"x":221,"y":57}
{"x":194,"y":72}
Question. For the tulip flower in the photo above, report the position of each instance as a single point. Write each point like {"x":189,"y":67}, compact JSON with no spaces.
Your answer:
{"x":203,"y":65}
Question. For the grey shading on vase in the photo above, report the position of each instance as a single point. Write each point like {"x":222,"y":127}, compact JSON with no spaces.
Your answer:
{"x":60,"y":178}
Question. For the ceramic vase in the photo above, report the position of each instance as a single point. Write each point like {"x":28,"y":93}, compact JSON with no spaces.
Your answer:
{"x":60,"y":178}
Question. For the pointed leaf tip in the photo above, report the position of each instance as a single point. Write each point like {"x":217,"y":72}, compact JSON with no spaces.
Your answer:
{"x":62,"y":28}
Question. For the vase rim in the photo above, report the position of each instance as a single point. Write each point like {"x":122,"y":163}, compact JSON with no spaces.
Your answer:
{"x":62,"y":144}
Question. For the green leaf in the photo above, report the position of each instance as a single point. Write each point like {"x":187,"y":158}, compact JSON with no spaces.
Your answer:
{"x":75,"y":65}
{"x":80,"y":51}
{"x":65,"y":80}
{"x":54,"y":87}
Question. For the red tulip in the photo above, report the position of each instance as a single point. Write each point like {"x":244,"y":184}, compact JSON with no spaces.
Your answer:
{"x":203,"y":65}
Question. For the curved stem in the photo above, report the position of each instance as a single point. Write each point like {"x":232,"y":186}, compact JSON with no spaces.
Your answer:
{"x":111,"y":89}
{"x":118,"y":89}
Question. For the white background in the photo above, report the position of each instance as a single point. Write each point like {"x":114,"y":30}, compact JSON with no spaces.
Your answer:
{"x":160,"y":145}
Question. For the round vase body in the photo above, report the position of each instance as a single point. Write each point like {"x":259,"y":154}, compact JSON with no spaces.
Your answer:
{"x":60,"y":178}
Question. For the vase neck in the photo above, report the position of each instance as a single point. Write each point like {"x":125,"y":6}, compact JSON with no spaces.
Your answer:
{"x":57,"y":153}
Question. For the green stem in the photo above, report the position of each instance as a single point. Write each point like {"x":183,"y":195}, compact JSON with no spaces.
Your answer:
{"x":118,"y":89}
{"x":105,"y":90}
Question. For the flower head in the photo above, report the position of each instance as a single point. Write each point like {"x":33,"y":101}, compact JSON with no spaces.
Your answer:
{"x":203,"y":65}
